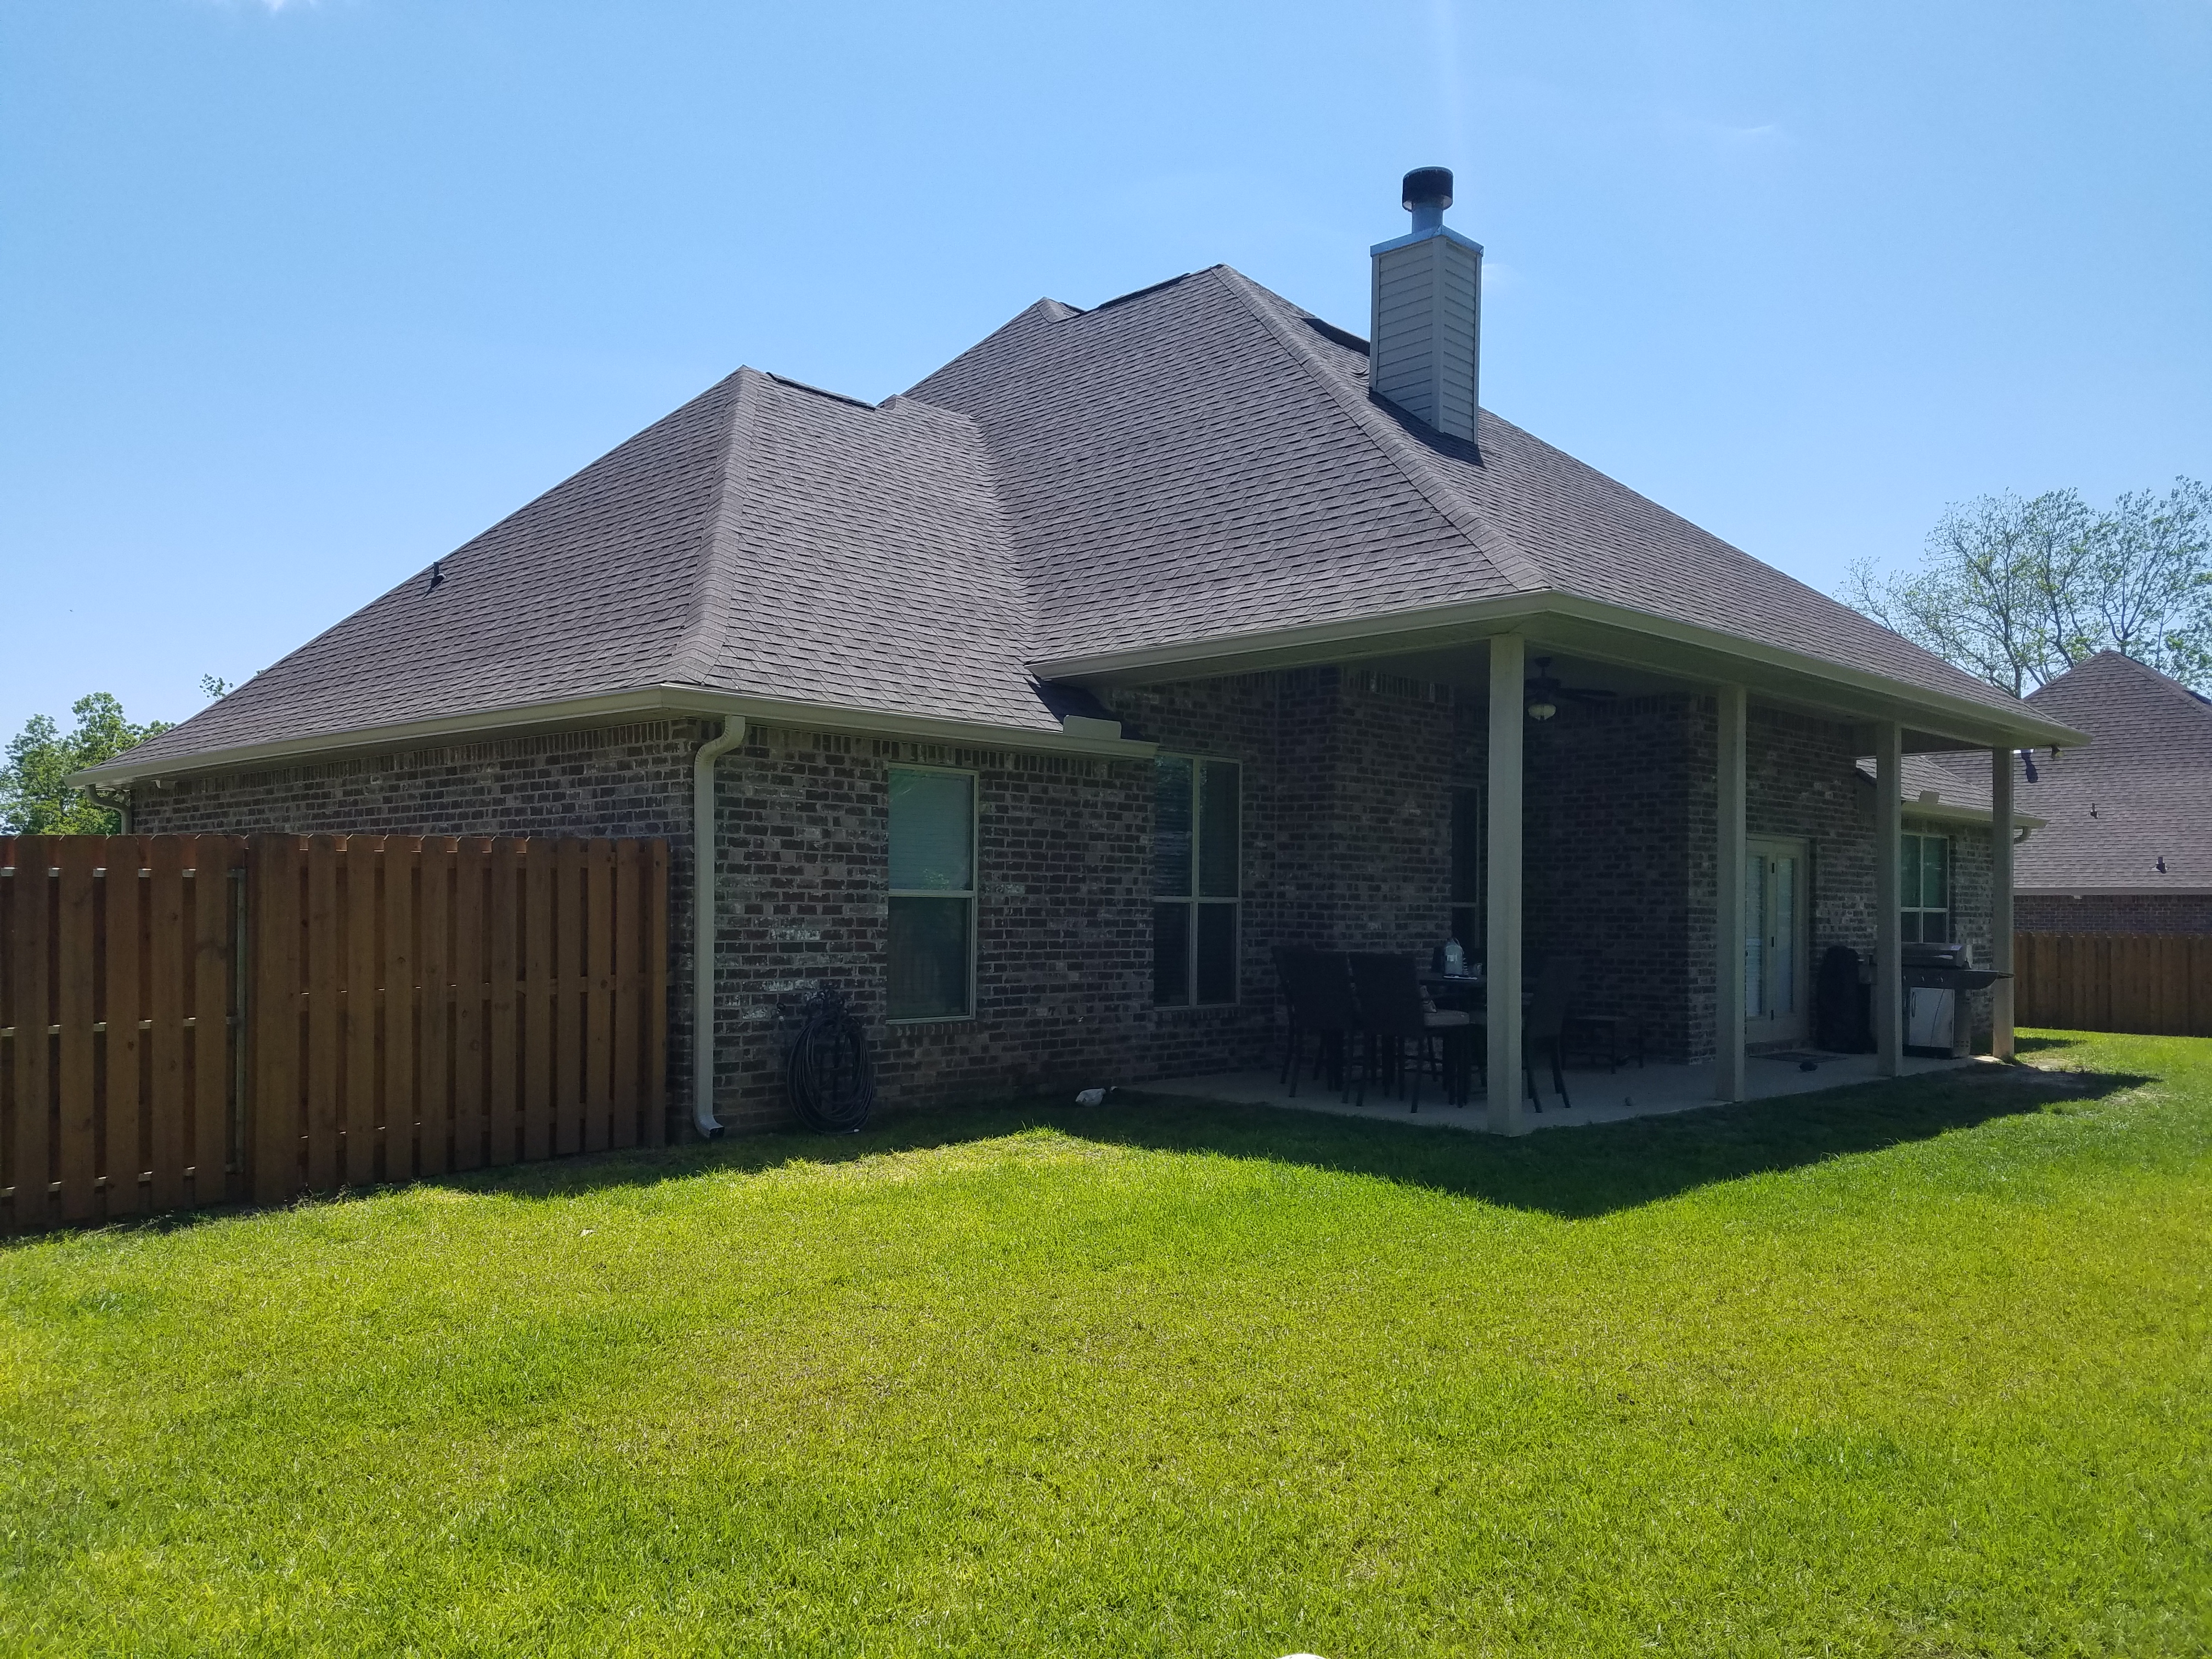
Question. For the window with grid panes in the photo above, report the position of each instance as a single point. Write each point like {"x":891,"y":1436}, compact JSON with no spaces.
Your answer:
{"x":1196,"y":882}
{"x":932,"y":914}
{"x":1923,"y":887}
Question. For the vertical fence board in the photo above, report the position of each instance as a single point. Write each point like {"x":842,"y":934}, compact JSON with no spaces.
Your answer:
{"x":435,"y":1065}
{"x":33,"y":926}
{"x":656,"y":958}
{"x":502,"y":1105}
{"x":364,"y":1106}
{"x":123,"y":929}
{"x":627,"y":1085}
{"x":215,"y":937}
{"x":540,"y":1005}
{"x":598,"y":1000}
{"x":396,"y":973}
{"x":277,"y":878}
{"x":76,"y":857}
{"x":168,"y":967}
{"x":469,"y":1005}
{"x":568,"y":977}
{"x":322,"y":1061}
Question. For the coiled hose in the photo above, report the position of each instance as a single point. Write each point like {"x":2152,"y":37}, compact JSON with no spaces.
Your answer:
{"x":832,"y":1080}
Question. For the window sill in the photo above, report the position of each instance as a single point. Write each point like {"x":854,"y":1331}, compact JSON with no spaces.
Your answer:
{"x":934,"y":1019}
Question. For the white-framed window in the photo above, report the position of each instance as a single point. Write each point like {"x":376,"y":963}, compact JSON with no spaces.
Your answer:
{"x":1466,"y":869}
{"x":1197,"y":880}
{"x":1923,"y":888}
{"x":933,"y":915}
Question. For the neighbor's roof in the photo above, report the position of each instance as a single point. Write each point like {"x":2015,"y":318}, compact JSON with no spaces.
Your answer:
{"x":1197,"y":461}
{"x":2141,"y":794}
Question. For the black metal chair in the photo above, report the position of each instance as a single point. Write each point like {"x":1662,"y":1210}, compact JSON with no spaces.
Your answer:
{"x":1317,"y":992}
{"x":1392,"y":1013}
{"x":1545,"y":1025}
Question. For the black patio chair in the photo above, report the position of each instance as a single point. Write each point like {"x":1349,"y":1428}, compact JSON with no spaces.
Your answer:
{"x":1393,"y":1014}
{"x":1545,"y":1025}
{"x":1317,"y":992}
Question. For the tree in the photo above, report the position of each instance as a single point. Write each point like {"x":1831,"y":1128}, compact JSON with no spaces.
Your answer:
{"x":35,"y":797}
{"x":2017,"y":592}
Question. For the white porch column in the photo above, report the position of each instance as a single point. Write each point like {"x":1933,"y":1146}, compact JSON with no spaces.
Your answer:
{"x":1728,"y":902}
{"x":2001,"y":765}
{"x":1502,"y":946}
{"x":1888,"y":926}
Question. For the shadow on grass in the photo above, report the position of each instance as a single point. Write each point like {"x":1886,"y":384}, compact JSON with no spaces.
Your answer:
{"x":1576,"y":1172}
{"x":1571,"y":1172}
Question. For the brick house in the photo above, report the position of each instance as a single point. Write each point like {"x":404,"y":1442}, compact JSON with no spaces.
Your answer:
{"x":1036,"y":706}
{"x":2123,"y":844}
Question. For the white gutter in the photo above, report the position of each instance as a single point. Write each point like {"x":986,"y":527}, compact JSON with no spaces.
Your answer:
{"x":702,"y":923}
{"x":613,"y":706}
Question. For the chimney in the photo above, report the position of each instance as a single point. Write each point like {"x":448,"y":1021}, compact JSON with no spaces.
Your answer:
{"x":1426,"y":337}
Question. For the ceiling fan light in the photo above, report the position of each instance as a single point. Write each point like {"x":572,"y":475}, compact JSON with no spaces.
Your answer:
{"x":1542,"y":708}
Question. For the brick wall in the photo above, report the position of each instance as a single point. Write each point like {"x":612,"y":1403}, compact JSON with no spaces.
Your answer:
{"x":2113,"y":912}
{"x":1346,"y":810}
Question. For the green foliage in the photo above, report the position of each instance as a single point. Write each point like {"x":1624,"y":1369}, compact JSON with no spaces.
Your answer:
{"x":36,"y":796}
{"x":1913,"y":1369}
{"x":2017,"y":592}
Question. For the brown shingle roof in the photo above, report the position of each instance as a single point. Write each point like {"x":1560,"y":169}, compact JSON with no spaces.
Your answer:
{"x":1197,"y":460}
{"x":2141,"y":792}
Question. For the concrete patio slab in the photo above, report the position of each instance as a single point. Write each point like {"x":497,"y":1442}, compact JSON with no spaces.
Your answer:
{"x":1599,"y":1097}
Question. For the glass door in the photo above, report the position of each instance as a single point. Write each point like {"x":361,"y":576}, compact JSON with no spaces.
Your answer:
{"x":1775,"y":988}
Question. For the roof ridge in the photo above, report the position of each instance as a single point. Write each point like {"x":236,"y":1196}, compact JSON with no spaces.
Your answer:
{"x":1506,"y":555}
{"x":716,"y":589}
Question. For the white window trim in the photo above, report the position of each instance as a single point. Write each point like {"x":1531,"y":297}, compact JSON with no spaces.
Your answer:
{"x":1193,"y":898}
{"x":973,"y":894}
{"x":1950,"y":908}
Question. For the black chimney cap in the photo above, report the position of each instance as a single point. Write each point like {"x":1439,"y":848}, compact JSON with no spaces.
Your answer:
{"x":1428,"y":187}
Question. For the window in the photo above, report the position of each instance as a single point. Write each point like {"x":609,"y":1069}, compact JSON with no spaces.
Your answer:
{"x":1467,"y":871}
{"x":932,"y":931}
{"x":1923,"y":888}
{"x":1195,"y":881}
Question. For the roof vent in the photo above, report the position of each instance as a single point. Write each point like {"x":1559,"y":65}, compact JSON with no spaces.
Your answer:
{"x":1426,"y":336}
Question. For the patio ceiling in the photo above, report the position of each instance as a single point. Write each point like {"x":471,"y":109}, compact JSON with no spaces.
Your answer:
{"x":1600,"y":646}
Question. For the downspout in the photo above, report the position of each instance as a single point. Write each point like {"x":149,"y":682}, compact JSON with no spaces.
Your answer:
{"x":119,"y":804}
{"x":702,"y":923}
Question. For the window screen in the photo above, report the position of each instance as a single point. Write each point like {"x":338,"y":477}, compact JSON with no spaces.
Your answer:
{"x":1923,"y":888}
{"x":1197,"y":879}
{"x":933,"y":916}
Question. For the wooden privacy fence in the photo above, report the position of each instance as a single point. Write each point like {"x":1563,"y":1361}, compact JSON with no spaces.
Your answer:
{"x":119,"y":1003}
{"x":186,"y":1019}
{"x":2152,"y":984}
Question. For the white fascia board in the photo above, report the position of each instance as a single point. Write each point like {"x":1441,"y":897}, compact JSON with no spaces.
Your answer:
{"x":1866,"y":695}
{"x":1944,"y":812}
{"x":610,"y":707}
{"x":2077,"y":890}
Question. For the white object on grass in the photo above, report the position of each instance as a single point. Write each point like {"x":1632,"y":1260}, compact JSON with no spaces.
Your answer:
{"x":1093,"y":1096}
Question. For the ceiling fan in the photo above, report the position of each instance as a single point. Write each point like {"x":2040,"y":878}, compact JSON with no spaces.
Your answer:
{"x":1544,"y":692}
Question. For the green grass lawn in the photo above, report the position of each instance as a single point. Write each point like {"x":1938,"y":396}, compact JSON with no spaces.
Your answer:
{"x":1918,"y":1370}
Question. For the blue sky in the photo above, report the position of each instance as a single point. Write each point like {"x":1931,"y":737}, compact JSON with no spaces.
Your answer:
{"x":294,"y":298}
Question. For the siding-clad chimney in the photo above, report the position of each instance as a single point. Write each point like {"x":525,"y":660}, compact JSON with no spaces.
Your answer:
{"x":1426,"y":338}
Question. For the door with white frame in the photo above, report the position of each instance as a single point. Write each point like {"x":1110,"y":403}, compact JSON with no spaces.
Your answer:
{"x":1777,"y":987}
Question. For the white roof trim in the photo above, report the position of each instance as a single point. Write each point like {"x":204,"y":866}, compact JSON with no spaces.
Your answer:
{"x":642,"y":702}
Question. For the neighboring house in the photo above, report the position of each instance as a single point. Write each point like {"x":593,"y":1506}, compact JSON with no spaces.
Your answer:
{"x":2125,"y":844}
{"x":1036,"y":706}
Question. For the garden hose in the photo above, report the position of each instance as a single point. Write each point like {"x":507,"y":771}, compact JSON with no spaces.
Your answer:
{"x":832,"y":1080}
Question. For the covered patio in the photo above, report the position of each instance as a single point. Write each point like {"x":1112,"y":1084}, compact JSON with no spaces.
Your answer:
{"x":1622,"y":829}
